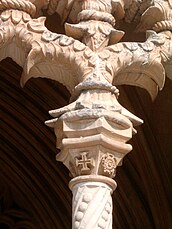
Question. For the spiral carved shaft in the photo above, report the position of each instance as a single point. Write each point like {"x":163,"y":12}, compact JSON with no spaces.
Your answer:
{"x":92,"y":204}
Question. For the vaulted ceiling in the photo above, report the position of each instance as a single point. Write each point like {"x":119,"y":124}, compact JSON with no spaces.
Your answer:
{"x":34,"y":189}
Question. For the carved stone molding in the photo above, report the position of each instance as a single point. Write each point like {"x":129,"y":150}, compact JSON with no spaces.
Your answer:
{"x":93,"y":130}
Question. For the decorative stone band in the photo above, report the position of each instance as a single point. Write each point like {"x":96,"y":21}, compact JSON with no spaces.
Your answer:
{"x":92,"y":202}
{"x":23,"y":5}
{"x":86,"y":15}
{"x":95,"y":84}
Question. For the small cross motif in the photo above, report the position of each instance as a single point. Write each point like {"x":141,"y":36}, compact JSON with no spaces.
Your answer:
{"x":84,"y":162}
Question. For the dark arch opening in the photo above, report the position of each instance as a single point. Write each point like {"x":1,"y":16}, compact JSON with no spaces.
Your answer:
{"x":4,"y":226}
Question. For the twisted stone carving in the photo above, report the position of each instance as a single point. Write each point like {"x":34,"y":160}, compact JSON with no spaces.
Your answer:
{"x":92,"y":198}
{"x":24,"y":5}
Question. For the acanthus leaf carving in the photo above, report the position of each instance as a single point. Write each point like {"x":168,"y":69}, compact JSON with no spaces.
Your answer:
{"x":36,"y":26}
{"x":96,"y":36}
{"x":67,"y":47}
{"x":63,"y":53}
{"x":145,"y":58}
{"x":49,"y":36}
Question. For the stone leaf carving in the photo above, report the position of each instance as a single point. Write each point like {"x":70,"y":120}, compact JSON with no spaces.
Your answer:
{"x":40,"y":52}
{"x":57,"y":57}
{"x":15,"y":35}
{"x":92,"y":132}
{"x":18,"y":31}
{"x":71,"y":62}
{"x":141,"y":64}
{"x":13,"y":31}
{"x":94,"y":35}
{"x":88,"y":74}
{"x":138,"y":64}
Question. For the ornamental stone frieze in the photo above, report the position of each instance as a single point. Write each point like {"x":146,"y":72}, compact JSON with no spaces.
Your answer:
{"x":90,"y":60}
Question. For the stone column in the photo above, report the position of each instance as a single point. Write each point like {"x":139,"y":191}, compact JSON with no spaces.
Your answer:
{"x":93,"y":130}
{"x":92,"y":202}
{"x":92,"y":138}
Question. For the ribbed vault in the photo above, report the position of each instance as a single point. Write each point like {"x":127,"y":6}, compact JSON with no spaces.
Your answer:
{"x":34,"y":189}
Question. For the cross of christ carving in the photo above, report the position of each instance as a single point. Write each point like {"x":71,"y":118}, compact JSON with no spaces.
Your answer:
{"x":84,"y":162}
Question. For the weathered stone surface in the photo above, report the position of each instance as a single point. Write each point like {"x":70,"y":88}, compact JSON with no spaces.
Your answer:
{"x":92,"y":202}
{"x":93,"y":130}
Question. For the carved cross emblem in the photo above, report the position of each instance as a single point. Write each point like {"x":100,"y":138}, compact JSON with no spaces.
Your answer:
{"x":84,"y":162}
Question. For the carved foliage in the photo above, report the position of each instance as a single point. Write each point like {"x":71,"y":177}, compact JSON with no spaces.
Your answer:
{"x":70,"y":62}
{"x":21,"y":35}
{"x":17,"y":31}
{"x":143,"y":62}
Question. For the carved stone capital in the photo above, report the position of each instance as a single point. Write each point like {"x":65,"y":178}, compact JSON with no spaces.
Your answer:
{"x":92,"y":134}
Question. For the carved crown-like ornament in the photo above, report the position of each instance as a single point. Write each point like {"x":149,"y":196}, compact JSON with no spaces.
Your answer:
{"x":89,"y":60}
